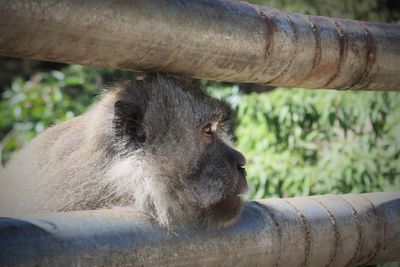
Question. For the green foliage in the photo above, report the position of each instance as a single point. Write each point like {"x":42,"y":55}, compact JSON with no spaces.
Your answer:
{"x":28,"y":107}
{"x":307,"y":142}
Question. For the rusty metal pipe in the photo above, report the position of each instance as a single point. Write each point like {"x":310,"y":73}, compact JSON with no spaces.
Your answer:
{"x":346,"y":230}
{"x":211,"y":39}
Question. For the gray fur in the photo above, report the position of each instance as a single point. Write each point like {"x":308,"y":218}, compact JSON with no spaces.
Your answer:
{"x":173,"y":176}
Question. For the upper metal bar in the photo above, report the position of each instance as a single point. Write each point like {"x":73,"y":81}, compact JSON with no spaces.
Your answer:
{"x":211,"y":39}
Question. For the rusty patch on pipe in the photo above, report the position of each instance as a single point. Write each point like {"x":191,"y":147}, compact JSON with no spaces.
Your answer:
{"x":268,"y":27}
{"x":335,"y":231}
{"x":278,"y":230}
{"x":343,"y":50}
{"x":318,"y":49}
{"x":307,"y":232}
{"x":379,"y":243}
{"x":369,"y":58}
{"x":359,"y":231}
{"x":294,"y":41}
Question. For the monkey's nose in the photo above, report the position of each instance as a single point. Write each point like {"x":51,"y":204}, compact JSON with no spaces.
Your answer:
{"x":240,"y":160}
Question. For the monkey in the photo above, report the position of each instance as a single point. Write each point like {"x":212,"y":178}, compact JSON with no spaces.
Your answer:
{"x":158,"y":145}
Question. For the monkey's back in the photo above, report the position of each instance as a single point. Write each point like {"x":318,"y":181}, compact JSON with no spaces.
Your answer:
{"x":44,"y":175}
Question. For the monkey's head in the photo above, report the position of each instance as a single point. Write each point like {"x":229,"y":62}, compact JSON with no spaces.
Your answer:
{"x":172,"y":157}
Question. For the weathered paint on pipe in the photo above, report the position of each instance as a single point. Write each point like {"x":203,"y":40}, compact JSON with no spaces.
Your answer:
{"x":346,"y":230}
{"x":211,"y":39}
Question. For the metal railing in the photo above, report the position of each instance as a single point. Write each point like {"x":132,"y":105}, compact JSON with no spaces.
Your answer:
{"x":211,"y":39}
{"x":346,"y":230}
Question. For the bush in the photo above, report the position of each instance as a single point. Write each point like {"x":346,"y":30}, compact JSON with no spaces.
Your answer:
{"x":307,"y":142}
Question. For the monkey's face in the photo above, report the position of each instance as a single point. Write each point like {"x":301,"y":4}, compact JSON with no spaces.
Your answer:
{"x":184,"y":132}
{"x":219,"y":180}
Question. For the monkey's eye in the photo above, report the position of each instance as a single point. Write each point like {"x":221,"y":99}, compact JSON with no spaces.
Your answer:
{"x":210,"y":129}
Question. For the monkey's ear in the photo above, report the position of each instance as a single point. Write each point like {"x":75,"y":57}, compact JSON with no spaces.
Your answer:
{"x":128,"y":122}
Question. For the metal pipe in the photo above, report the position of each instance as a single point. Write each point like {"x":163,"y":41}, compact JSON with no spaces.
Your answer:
{"x":346,"y":230}
{"x":211,"y":39}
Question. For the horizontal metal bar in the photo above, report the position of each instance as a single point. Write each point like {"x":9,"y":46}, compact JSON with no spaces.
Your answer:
{"x":346,"y":230}
{"x":211,"y":39}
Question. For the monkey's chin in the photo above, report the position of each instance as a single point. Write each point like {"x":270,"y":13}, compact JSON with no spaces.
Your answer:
{"x":225,"y":212}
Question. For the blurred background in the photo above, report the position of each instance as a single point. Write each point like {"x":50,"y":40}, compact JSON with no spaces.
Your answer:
{"x":298,"y":142}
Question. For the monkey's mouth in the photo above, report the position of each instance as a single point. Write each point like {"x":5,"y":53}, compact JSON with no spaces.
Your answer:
{"x":230,"y":206}
{"x":233,"y":202}
{"x":242,"y":186}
